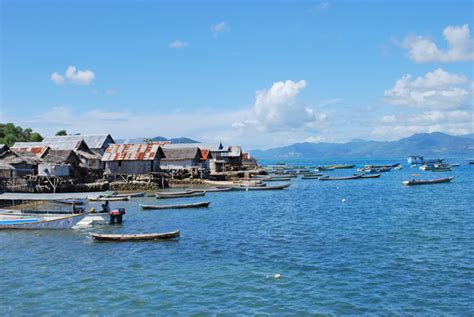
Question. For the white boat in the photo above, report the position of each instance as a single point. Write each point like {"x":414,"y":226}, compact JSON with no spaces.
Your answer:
{"x":12,"y":221}
{"x":91,"y":218}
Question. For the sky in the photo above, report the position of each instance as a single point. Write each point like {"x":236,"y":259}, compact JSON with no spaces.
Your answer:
{"x":254,"y":73}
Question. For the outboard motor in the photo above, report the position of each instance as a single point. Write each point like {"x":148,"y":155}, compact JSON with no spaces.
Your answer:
{"x":116,"y":216}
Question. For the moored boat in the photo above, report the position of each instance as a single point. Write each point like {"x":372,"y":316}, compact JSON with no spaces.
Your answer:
{"x":109,"y":198}
{"x":248,"y":188}
{"x":17,"y":222}
{"x":327,"y":178}
{"x":368,"y":175}
{"x":341,"y":166}
{"x":162,"y":195}
{"x":139,"y":194}
{"x":317,"y":176}
{"x":70,"y":201}
{"x":428,"y":182}
{"x":136,"y":237}
{"x":177,"y":206}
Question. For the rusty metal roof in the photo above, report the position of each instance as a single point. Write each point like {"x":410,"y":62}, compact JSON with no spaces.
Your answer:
{"x":38,"y":150}
{"x":132,"y":152}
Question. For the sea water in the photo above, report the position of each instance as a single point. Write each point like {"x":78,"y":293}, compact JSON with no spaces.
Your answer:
{"x":367,"y":246}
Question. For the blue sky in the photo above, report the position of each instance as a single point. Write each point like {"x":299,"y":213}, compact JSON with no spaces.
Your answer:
{"x":259,"y":74}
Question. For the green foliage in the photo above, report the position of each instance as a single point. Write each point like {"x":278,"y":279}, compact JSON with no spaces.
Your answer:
{"x":61,"y":133}
{"x":9,"y":134}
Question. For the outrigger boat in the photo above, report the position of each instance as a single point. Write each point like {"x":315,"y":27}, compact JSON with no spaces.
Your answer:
{"x":204,"y":204}
{"x":162,"y":195}
{"x":13,"y":221}
{"x":327,"y":178}
{"x":136,"y":237}
{"x":109,"y":198}
{"x":428,"y":182}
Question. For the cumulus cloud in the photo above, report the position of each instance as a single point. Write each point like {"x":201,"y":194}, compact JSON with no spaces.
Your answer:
{"x":219,"y":28}
{"x":73,"y":76}
{"x":460,"y":48}
{"x":177,"y":44}
{"x":277,"y":109}
{"x":435,"y":90}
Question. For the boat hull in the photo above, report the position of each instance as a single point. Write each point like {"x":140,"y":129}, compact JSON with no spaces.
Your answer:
{"x":179,"y":206}
{"x":136,"y":237}
{"x":53,"y":224}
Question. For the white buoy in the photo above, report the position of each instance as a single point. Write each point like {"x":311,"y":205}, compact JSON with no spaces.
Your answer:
{"x":344,"y":200}
{"x":278,"y":275}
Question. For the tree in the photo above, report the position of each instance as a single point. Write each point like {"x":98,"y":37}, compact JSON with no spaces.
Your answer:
{"x":9,"y":134}
{"x":61,"y":133}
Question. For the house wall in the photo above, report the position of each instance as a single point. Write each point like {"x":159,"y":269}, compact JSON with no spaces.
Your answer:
{"x":132,"y":167}
{"x":178,"y":164}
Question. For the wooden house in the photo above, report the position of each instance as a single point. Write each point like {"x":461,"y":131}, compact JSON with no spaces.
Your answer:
{"x":132,"y":159}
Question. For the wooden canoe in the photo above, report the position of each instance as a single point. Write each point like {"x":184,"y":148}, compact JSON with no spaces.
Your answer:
{"x":368,"y":175}
{"x":204,"y":204}
{"x":136,"y":237}
{"x":311,"y":176}
{"x":173,"y":195}
{"x":276,"y":187}
{"x":183,"y":192}
{"x":428,"y":182}
{"x":140,"y":194}
{"x":327,"y":178}
{"x":277,"y":179}
{"x":341,"y":166}
{"x":217,"y":189}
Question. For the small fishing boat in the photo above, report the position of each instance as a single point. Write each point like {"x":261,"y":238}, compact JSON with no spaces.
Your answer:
{"x":182,"y":192}
{"x":277,"y":179}
{"x":316,"y":176}
{"x":428,"y":182}
{"x":368,"y":175}
{"x":323,"y":169}
{"x":70,"y":201}
{"x":109,"y":198}
{"x":312,"y":174}
{"x":178,"y":206}
{"x":341,"y":166}
{"x":217,"y":189}
{"x":12,"y":221}
{"x":327,"y":178}
{"x":276,"y":187}
{"x":135,"y":237}
{"x":92,"y":217}
{"x":140,"y":194}
{"x":162,"y":195}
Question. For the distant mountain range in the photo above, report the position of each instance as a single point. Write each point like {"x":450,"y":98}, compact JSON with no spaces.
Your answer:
{"x":158,"y":139}
{"x":434,"y":144}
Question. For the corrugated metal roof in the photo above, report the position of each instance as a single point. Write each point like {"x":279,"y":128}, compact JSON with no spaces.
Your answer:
{"x":131,"y":152}
{"x":202,"y":146}
{"x":92,"y":141}
{"x":36,"y":150}
{"x":182,"y":153}
{"x":205,"y":154}
{"x":26,"y":144}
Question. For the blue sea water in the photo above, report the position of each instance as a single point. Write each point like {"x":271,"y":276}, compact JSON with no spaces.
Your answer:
{"x":388,"y":250}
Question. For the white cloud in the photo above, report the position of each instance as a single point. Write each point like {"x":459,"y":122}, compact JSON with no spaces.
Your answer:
{"x":177,"y":44}
{"x":57,"y":78}
{"x":73,"y":76}
{"x":277,"y":109}
{"x":460,"y":48}
{"x":219,"y":28}
{"x":435,"y":90}
{"x":389,"y":119}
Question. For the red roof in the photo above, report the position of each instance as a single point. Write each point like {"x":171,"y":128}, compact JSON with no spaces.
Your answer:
{"x":132,"y":152}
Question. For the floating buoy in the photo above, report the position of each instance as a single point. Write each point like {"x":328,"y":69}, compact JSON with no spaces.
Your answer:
{"x":344,"y":200}
{"x":278,"y":275}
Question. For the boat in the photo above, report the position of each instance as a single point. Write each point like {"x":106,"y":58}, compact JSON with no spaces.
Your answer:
{"x":162,"y":195}
{"x":70,"y":201}
{"x":20,"y":222}
{"x":374,"y":170}
{"x":327,"y":178}
{"x":276,"y":187}
{"x":140,"y":194}
{"x":316,"y":176}
{"x":428,"y":182}
{"x":312,"y":174}
{"x":323,"y":169}
{"x":421,"y":160}
{"x":277,"y":179}
{"x":216,"y":189}
{"x":178,"y":206}
{"x":109,"y":198}
{"x":136,"y":237}
{"x":183,"y":192}
{"x":368,"y":175}
{"x":341,"y":166}
{"x":92,"y":217}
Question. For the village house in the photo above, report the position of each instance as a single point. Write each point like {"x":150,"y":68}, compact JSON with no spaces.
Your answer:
{"x":248,"y":162}
{"x":88,"y":158}
{"x":132,"y":159}
{"x":18,"y":164}
{"x":96,"y":143}
{"x":180,"y":158}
